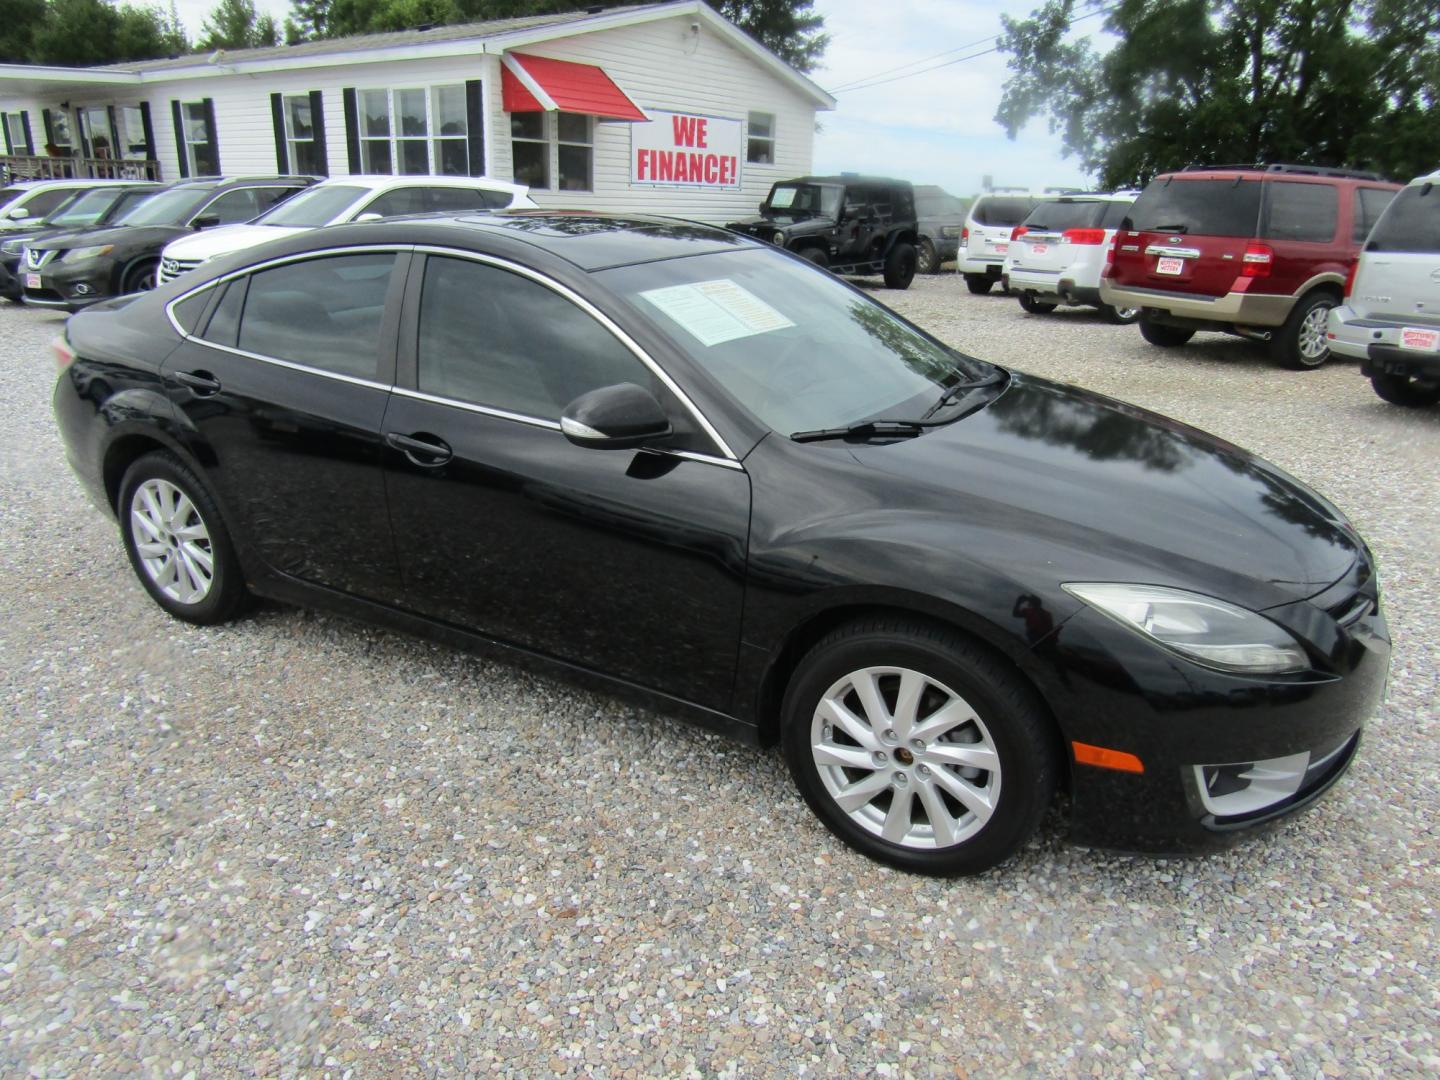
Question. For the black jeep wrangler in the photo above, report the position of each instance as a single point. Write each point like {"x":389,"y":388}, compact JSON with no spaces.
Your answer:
{"x":848,"y":224}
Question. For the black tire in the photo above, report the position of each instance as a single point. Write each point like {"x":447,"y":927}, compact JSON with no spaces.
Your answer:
{"x":927,"y":259}
{"x":226,"y":595}
{"x":900,"y":266}
{"x":141,"y":277}
{"x":816,"y":256}
{"x":979,"y":284}
{"x":1113,"y":315}
{"x":1012,"y":717}
{"x":1299,"y":344}
{"x":1404,"y":390}
{"x":1034,"y":306}
{"x":1167,"y":337}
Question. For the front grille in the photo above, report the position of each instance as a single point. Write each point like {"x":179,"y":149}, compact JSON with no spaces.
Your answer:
{"x":36,"y":259}
{"x":170,"y":269}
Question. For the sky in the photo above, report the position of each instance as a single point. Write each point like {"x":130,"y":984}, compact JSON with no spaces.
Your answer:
{"x":935,"y":128}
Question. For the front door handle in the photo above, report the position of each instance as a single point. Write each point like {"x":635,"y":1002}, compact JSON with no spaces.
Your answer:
{"x":422,"y":449}
{"x":202,"y":382}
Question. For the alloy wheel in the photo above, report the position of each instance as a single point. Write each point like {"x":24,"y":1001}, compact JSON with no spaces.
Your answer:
{"x":1311,"y":340}
{"x":905,"y":757}
{"x":172,"y":541}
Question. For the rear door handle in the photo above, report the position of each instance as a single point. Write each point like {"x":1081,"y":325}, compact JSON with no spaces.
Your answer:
{"x":202,"y":382}
{"x":425,"y":450}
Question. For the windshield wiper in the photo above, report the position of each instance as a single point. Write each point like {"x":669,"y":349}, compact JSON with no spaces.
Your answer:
{"x":870,"y":428}
{"x":951,"y":393}
{"x":1168,"y":228}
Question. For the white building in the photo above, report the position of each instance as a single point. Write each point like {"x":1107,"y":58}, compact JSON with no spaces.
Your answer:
{"x":659,"y":108}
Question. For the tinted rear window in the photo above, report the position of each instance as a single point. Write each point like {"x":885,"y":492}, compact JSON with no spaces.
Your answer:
{"x":939,"y":205}
{"x":1003,"y":210}
{"x":1410,"y":223}
{"x":1300,"y":211}
{"x":1058,"y":216}
{"x":1198,"y":207}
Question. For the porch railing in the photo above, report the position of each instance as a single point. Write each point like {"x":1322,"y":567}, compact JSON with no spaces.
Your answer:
{"x":15,"y":167}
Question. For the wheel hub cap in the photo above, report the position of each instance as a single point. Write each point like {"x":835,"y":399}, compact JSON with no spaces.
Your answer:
{"x":905,"y":757}
{"x":172,"y":541}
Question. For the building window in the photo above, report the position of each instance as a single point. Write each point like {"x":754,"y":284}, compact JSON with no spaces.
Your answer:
{"x":305,"y":155}
{"x":415,"y":132}
{"x":199,"y":140}
{"x":15,"y":132}
{"x":563,"y":147}
{"x":760,"y":148}
{"x":131,"y":122}
{"x":60,"y":134}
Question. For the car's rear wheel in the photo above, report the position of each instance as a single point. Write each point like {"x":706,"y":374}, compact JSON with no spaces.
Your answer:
{"x":1034,"y":305}
{"x":900,"y":266}
{"x":918,"y":747}
{"x":979,"y":284}
{"x":1119,"y":316}
{"x":816,"y":256}
{"x":177,"y":542}
{"x":1167,"y":337}
{"x":927,"y":259}
{"x":141,"y":278}
{"x":1301,"y":343}
{"x":1405,"y":390}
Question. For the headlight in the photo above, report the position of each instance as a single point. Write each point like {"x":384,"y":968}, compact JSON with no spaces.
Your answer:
{"x":81,"y":254}
{"x":1200,"y":628}
{"x":12,"y":247}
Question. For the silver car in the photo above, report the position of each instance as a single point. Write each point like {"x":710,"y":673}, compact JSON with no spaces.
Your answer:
{"x":1390,"y":320}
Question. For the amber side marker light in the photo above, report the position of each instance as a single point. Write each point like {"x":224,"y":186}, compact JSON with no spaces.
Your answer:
{"x":1103,"y":758}
{"x":64,"y":355}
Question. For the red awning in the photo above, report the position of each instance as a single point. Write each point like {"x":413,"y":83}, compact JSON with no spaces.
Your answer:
{"x":539,"y":84}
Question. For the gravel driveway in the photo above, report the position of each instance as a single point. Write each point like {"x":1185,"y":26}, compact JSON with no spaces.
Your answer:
{"x":300,"y":846}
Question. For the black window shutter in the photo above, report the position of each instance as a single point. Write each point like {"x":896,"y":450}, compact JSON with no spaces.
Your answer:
{"x":175,"y":114}
{"x":475,"y":125}
{"x":352,"y":129}
{"x":29,"y":139}
{"x":5,"y":127}
{"x":317,"y":125}
{"x":213,"y":132}
{"x":116,"y":150}
{"x":49,"y":127}
{"x":149,"y":128}
{"x":277,"y":118}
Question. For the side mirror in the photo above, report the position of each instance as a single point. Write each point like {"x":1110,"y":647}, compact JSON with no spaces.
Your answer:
{"x":762,"y":207}
{"x":372,"y":216}
{"x":618,"y":417}
{"x":209,"y":221}
{"x":19,"y":213}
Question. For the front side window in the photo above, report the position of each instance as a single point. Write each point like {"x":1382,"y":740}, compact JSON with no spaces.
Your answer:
{"x":43,"y":203}
{"x":760,"y":144}
{"x":415,"y":131}
{"x":324,"y":313}
{"x":494,"y":338}
{"x":242,"y":204}
{"x":809,"y":199}
{"x":313,"y":207}
{"x":305,"y":155}
{"x":87,"y":209}
{"x":199,"y":139}
{"x":1300,"y":211}
{"x":173,"y":207}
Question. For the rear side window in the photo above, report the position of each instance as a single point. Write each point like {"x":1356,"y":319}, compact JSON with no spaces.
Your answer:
{"x":1370,"y":203}
{"x":1198,"y":207}
{"x":1410,"y":223}
{"x":1003,"y":210}
{"x":188,"y":311}
{"x":224,"y":323}
{"x":1059,"y":216}
{"x":408,"y":200}
{"x":448,"y":198}
{"x":1115,"y":213}
{"x":1299,"y":211}
{"x":494,"y":338}
{"x":324,"y":313}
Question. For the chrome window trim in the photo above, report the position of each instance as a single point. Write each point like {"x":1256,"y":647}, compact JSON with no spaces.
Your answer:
{"x":729,"y":460}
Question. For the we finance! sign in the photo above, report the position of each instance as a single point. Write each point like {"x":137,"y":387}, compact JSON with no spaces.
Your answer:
{"x":684,"y":149}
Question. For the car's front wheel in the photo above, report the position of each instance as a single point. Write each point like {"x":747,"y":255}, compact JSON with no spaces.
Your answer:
{"x":900,"y":266}
{"x":177,"y":542}
{"x":979,"y":284}
{"x":1405,"y":390}
{"x":1167,"y":337}
{"x":918,"y":747}
{"x":141,"y":278}
{"x":816,"y":256}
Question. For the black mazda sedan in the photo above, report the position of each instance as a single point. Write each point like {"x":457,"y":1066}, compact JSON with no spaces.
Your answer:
{"x":692,"y":466}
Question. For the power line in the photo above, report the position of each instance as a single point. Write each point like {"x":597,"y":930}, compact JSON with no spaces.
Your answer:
{"x":912,"y":63}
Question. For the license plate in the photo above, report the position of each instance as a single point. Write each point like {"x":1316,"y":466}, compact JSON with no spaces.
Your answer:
{"x":1039,"y":249}
{"x":1170,"y":265}
{"x":1001,"y":249}
{"x":1413,"y":337}
{"x":32,"y":281}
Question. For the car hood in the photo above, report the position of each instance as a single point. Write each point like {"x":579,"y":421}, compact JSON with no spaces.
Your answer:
{"x":782,"y":221}
{"x":136,"y":236}
{"x":1103,"y":491}
{"x":212,"y":243}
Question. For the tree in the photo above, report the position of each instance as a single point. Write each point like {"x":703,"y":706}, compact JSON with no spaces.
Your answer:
{"x":23,"y":21}
{"x":234,"y":24}
{"x":791,"y":29}
{"x":93,"y":32}
{"x":1324,"y":82}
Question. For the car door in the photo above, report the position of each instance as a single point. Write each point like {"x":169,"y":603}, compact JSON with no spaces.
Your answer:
{"x":627,"y":562}
{"x":282,"y":389}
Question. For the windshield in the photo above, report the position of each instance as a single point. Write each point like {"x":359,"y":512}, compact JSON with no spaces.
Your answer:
{"x":1410,"y":223}
{"x":172,"y":207}
{"x":822,"y":199}
{"x":87,"y":209}
{"x":1003,"y":209}
{"x":313,"y":208}
{"x":1197,"y":207}
{"x":797,"y":347}
{"x":1059,"y":216}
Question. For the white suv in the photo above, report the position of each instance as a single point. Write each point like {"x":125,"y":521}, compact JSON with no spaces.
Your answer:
{"x":1058,"y":255}
{"x":25,"y":204}
{"x":1390,"y":320}
{"x":985,"y":239}
{"x":341,"y":199}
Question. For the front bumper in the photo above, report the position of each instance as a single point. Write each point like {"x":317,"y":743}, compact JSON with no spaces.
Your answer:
{"x":1192,"y":727}
{"x":1376,"y":344}
{"x":1232,"y":309}
{"x":10,"y":287}
{"x":70,"y":288}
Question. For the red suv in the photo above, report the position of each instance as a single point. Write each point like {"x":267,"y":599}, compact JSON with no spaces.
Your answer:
{"x":1262,"y":252}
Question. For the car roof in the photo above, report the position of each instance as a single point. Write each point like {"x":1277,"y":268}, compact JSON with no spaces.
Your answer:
{"x":1428,"y":178}
{"x":844,"y":178}
{"x":38,"y":185}
{"x":206,"y":183}
{"x":384,"y":182}
{"x":1305,"y":174}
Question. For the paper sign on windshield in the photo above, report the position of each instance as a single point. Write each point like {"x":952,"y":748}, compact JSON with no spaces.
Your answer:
{"x":713,"y":312}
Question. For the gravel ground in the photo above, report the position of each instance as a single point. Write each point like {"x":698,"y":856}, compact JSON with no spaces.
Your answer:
{"x":296,"y":846}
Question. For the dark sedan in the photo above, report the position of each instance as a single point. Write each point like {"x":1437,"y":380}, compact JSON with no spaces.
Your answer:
{"x":76,"y":270}
{"x":692,"y":466}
